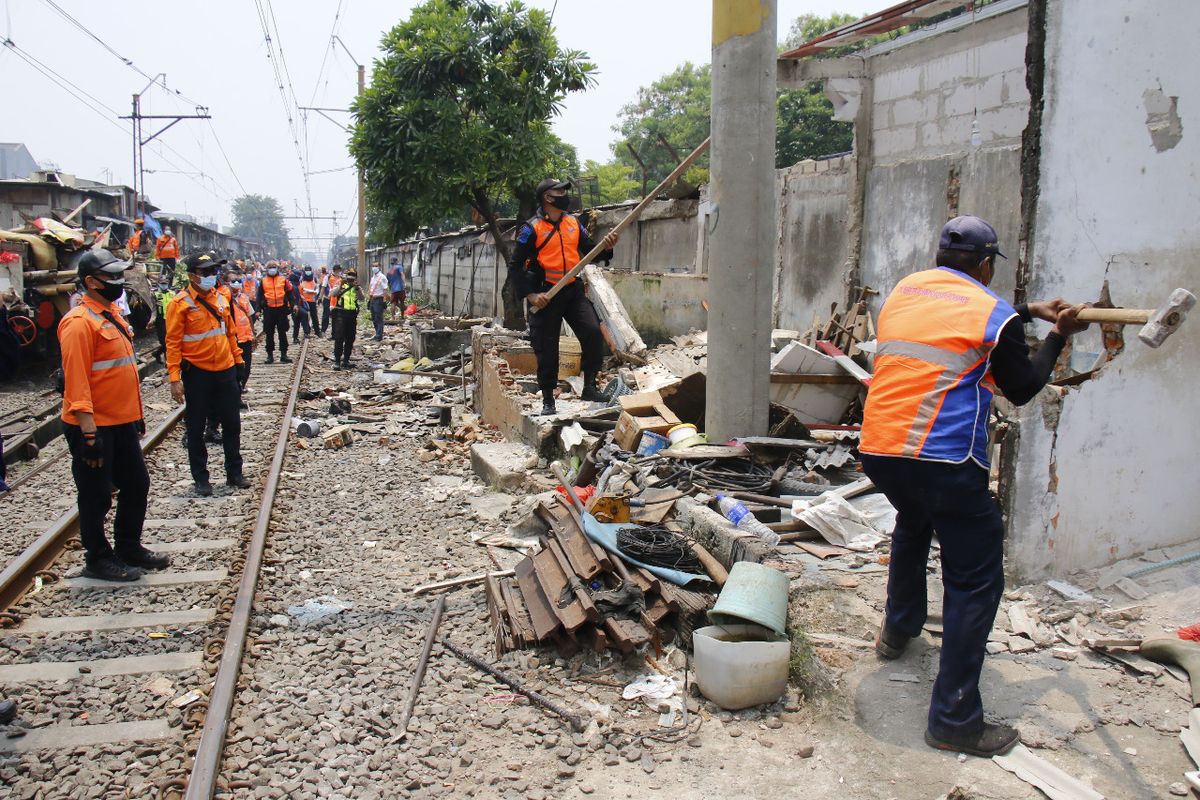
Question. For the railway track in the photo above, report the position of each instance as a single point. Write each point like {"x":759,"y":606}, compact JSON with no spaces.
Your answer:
{"x":129,"y":687}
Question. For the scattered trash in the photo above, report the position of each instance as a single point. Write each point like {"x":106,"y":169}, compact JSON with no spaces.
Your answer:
{"x":652,"y":686}
{"x":317,"y":609}
{"x":186,"y":700}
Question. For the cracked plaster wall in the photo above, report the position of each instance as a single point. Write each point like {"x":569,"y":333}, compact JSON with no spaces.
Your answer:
{"x":1118,"y":203}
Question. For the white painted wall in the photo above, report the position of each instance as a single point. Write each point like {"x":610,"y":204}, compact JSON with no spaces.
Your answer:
{"x":1121,"y":475}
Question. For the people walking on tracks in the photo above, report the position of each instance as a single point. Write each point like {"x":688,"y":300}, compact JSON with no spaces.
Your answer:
{"x":166,"y":250}
{"x":945,"y":342}
{"x":306,"y":295}
{"x":243,"y":320}
{"x":162,"y":296}
{"x":397,"y":286}
{"x":202,"y":360}
{"x":334,"y":283}
{"x":139,"y":241}
{"x":275,"y":302}
{"x":377,"y":300}
{"x":346,"y":302}
{"x":548,"y":245}
{"x":102,"y":423}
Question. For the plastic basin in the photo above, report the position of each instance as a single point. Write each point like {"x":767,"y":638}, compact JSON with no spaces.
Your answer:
{"x":738,"y":666}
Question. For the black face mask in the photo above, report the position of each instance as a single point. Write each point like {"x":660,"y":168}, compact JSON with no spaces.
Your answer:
{"x":563,"y":202}
{"x":110,"y":291}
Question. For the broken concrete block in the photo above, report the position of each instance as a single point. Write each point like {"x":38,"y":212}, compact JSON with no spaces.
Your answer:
{"x":501,"y":465}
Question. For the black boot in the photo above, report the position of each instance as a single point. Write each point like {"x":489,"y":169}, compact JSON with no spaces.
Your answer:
{"x":548,"y":409}
{"x":990,"y":740}
{"x":591,"y":392}
{"x":270,"y":358}
{"x":142,"y":558}
{"x":108,"y":568}
{"x":283,"y":359}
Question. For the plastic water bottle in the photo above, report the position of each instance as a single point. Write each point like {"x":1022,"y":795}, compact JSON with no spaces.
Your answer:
{"x":737,"y":513}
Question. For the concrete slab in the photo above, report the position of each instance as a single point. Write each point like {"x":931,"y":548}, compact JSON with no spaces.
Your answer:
{"x":152,"y":579}
{"x":491,"y":506}
{"x":129,"y":665}
{"x":65,"y":737}
{"x":501,"y":465}
{"x":111,"y":622}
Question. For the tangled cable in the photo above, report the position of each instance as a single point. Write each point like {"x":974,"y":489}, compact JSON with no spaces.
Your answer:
{"x":659,"y":547}
{"x":721,"y":475}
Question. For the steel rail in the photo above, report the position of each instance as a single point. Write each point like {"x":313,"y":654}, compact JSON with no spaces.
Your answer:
{"x":202,"y":782}
{"x":20,"y":573}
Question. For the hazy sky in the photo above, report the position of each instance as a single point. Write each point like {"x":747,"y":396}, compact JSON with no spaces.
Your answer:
{"x":215,"y":53}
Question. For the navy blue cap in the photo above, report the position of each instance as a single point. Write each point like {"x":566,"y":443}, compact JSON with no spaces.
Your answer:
{"x":972,"y":234}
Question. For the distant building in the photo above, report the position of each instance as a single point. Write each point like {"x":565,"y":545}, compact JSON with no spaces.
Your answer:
{"x":16,"y":161}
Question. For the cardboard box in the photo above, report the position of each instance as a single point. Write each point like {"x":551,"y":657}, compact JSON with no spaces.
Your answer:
{"x":642,"y":412}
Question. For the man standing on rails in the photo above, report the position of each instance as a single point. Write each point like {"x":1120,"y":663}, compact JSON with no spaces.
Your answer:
{"x":548,"y":245}
{"x":102,"y":423}
{"x":345,"y":302}
{"x":275,"y":303}
{"x":945,"y":343}
{"x":202,"y":360}
{"x":166,"y":250}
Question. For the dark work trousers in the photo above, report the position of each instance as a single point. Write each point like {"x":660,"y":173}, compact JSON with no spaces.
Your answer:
{"x":572,"y":305}
{"x":300,"y":319}
{"x":377,"y":306}
{"x":325,"y":312}
{"x":275,"y":321}
{"x":314,"y":320}
{"x":244,"y":370}
{"x":212,"y":394}
{"x":951,"y":500}
{"x":345,"y":328}
{"x":167,"y":273}
{"x":160,"y":330}
{"x":122,"y":467}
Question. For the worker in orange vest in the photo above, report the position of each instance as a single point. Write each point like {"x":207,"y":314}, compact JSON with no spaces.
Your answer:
{"x":202,"y":360}
{"x":308,"y":289}
{"x":945,"y":343}
{"x":166,"y":250}
{"x":548,"y":245}
{"x":139,"y":242}
{"x":275,"y":303}
{"x":212,"y":432}
{"x":102,"y":423}
{"x":331,"y":287}
{"x":243,"y":319}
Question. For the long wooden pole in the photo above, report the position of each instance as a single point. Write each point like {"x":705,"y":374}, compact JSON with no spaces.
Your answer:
{"x":422,"y":662}
{"x":628,"y":220}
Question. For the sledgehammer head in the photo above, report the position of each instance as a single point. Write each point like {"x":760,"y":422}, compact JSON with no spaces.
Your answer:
{"x":1167,"y":318}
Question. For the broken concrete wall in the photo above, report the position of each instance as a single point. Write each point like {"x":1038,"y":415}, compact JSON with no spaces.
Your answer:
{"x":814,"y":233}
{"x":1115,"y":475}
{"x":463,"y":273}
{"x":925,"y":168}
{"x":660,"y":305}
{"x":662,"y":240}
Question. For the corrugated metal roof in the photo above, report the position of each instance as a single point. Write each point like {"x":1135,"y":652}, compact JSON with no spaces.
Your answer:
{"x":890,"y":19}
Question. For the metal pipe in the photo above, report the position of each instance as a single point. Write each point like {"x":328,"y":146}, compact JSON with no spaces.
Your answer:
{"x":422,"y":663}
{"x":18,"y":576}
{"x":207,"y":764}
{"x":1171,"y":562}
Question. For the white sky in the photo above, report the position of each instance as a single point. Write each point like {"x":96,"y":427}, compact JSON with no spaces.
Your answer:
{"x":214,"y":52}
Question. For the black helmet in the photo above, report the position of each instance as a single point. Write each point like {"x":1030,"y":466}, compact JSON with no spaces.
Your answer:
{"x":99,"y":260}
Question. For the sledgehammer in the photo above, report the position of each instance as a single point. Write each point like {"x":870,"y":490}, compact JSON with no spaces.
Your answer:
{"x":1157,"y":324}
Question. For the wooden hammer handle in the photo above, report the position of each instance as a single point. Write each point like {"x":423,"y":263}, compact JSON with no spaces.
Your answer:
{"x":1124,"y":316}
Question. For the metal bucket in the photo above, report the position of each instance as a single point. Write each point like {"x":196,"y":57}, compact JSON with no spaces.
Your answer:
{"x":753,"y":593}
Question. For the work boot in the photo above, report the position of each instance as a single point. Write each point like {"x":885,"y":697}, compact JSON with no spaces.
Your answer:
{"x":283,"y":359}
{"x":295,"y":340}
{"x":8,"y":711}
{"x":991,"y":740}
{"x":347,"y":363}
{"x":591,"y":393}
{"x":212,"y":436}
{"x":889,"y":643}
{"x":270,"y":358}
{"x":108,"y":568}
{"x":243,"y":405}
{"x":142,"y":558}
{"x":238,"y":482}
{"x":548,"y":409}
{"x":204,"y":488}
{"x":337,"y":366}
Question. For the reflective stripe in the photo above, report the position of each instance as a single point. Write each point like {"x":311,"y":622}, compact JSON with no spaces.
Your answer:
{"x":113,"y":362}
{"x":195,"y":337}
{"x":932,"y":354}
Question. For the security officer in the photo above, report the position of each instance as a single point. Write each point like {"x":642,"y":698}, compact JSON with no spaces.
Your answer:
{"x":102,"y":422}
{"x":945,"y":342}
{"x":275,"y":303}
{"x":346,"y":302}
{"x":548,"y":245}
{"x":162,"y":296}
{"x":202,"y":360}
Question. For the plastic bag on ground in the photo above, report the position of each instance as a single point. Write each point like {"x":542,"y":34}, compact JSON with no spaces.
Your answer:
{"x":318,"y":608}
{"x":841,"y":524}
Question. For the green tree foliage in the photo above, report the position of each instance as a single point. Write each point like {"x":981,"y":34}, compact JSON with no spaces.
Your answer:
{"x":809,"y":26}
{"x":260,"y":218}
{"x":675,"y":108}
{"x":615,"y":182}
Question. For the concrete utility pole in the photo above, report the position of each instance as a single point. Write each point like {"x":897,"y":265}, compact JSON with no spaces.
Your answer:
{"x":742,"y":228}
{"x":363,"y":272}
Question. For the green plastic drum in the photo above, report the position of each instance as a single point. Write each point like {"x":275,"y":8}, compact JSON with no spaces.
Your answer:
{"x":753,"y":593}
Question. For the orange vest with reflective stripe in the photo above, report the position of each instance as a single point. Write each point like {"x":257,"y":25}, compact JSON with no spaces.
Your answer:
{"x":135,"y":241}
{"x":308,"y":290}
{"x":99,"y":366}
{"x":275,"y":289}
{"x":195,"y":335}
{"x":932,"y":387}
{"x":166,"y":247}
{"x":557,"y":247}
{"x":334,"y":283}
{"x":242,"y":310}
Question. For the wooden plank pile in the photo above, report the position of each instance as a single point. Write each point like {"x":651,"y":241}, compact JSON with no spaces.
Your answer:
{"x":571,"y":594}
